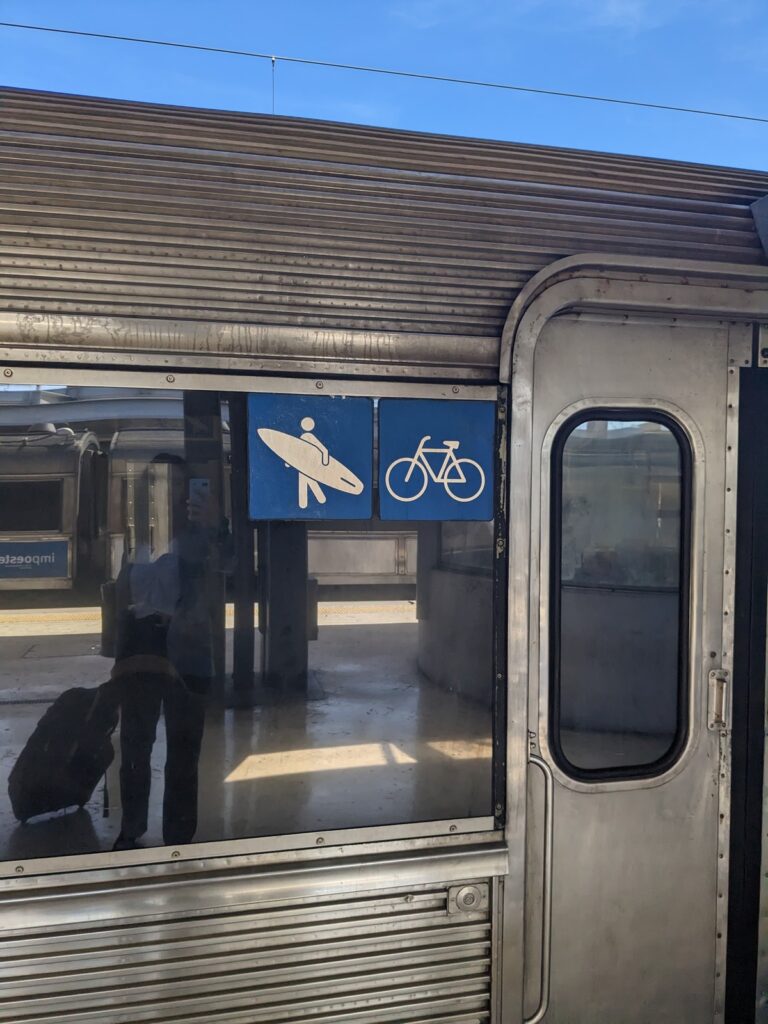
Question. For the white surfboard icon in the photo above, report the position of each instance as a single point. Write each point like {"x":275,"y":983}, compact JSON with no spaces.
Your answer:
{"x":312,"y":461}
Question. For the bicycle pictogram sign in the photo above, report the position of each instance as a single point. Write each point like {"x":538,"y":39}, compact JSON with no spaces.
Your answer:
{"x":436,"y":459}
{"x":407,"y":478}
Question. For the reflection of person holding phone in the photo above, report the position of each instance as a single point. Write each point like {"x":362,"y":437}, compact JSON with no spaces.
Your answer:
{"x":165,"y":662}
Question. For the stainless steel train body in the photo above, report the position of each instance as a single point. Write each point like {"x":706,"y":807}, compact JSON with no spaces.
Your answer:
{"x":567,"y":828}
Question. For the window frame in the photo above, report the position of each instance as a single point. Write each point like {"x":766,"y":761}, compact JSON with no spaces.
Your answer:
{"x":653,"y":769}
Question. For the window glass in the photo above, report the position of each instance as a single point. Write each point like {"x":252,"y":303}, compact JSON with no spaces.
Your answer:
{"x":177,"y":673}
{"x":618,"y":608}
{"x":30,"y":505}
{"x":467,"y":547}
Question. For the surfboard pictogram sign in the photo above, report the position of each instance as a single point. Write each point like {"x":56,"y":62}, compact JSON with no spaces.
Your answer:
{"x":312,"y":461}
{"x":310,"y":457}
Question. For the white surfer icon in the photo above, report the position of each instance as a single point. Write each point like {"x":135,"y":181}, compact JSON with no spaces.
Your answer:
{"x":312,"y":461}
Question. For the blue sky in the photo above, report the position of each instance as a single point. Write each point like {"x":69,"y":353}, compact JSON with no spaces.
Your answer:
{"x":702,"y":53}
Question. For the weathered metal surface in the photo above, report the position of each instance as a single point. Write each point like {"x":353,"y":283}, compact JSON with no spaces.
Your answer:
{"x":121,"y":210}
{"x":293,"y":947}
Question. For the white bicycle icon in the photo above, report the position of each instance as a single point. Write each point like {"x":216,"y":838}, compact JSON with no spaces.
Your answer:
{"x":406,"y":479}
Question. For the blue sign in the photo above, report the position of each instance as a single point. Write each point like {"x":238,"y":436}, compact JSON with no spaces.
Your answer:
{"x":310,"y":457}
{"x":34,"y":559}
{"x":436,"y":459}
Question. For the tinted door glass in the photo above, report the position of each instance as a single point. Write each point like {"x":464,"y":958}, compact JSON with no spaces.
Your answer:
{"x":619,"y":582}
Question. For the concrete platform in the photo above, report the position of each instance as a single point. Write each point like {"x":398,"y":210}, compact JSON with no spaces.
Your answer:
{"x":380,"y":745}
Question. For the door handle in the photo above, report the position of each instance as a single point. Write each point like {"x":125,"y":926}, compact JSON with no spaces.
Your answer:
{"x":546,"y":927}
{"x":717,"y":717}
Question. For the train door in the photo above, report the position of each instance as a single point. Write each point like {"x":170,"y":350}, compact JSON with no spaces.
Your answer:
{"x":747,"y":969}
{"x":633,"y":524}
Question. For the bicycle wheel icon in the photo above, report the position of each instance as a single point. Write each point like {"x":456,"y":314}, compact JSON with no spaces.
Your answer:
{"x":465,"y":480}
{"x":406,"y":479}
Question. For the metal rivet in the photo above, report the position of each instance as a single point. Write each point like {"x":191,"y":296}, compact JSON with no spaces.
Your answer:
{"x":319,"y":385}
{"x":764,"y":353}
{"x":713,"y":654}
{"x":409,"y":898}
{"x":19,"y":869}
{"x":453,"y":828}
{"x":7,"y":373}
{"x":319,"y":841}
{"x":175,"y":854}
{"x":455,"y":389}
{"x":170,"y":378}
{"x":731,"y":371}
{"x":499,"y":808}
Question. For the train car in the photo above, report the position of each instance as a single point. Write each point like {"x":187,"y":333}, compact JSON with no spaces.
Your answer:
{"x":532,"y":794}
{"x":49,"y":539}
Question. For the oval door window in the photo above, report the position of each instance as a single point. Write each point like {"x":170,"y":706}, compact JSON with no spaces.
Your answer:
{"x":621,"y":486}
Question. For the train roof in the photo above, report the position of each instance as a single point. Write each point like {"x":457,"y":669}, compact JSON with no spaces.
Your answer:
{"x":134,"y":210}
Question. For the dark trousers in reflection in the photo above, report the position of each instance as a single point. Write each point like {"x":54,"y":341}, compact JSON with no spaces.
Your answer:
{"x":148,"y":686}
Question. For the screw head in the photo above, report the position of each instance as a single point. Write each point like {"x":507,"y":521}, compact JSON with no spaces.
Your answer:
{"x":468,"y":897}
{"x":455,"y":389}
{"x":453,"y":828}
{"x":19,"y":869}
{"x":175,"y":854}
{"x":319,"y":385}
{"x":7,"y":372}
{"x":170,"y":378}
{"x":319,"y":841}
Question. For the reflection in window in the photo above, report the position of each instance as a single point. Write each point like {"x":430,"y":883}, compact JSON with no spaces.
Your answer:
{"x":30,"y":505}
{"x":259,"y":680}
{"x":467,"y":546}
{"x":618,"y":625}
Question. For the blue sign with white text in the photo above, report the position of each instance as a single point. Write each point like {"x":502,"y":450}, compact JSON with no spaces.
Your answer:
{"x":436,"y":459}
{"x":310,"y":457}
{"x":34,"y":559}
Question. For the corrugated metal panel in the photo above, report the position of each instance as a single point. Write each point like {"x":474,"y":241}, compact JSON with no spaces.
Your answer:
{"x":134,"y":210}
{"x":376,"y":957}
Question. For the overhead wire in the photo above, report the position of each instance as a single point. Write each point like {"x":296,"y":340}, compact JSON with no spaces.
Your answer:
{"x":393,"y":72}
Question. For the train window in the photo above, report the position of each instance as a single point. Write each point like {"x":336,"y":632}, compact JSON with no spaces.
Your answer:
{"x":30,"y":506}
{"x":467,"y":547}
{"x":619,"y":597}
{"x":180,"y":673}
